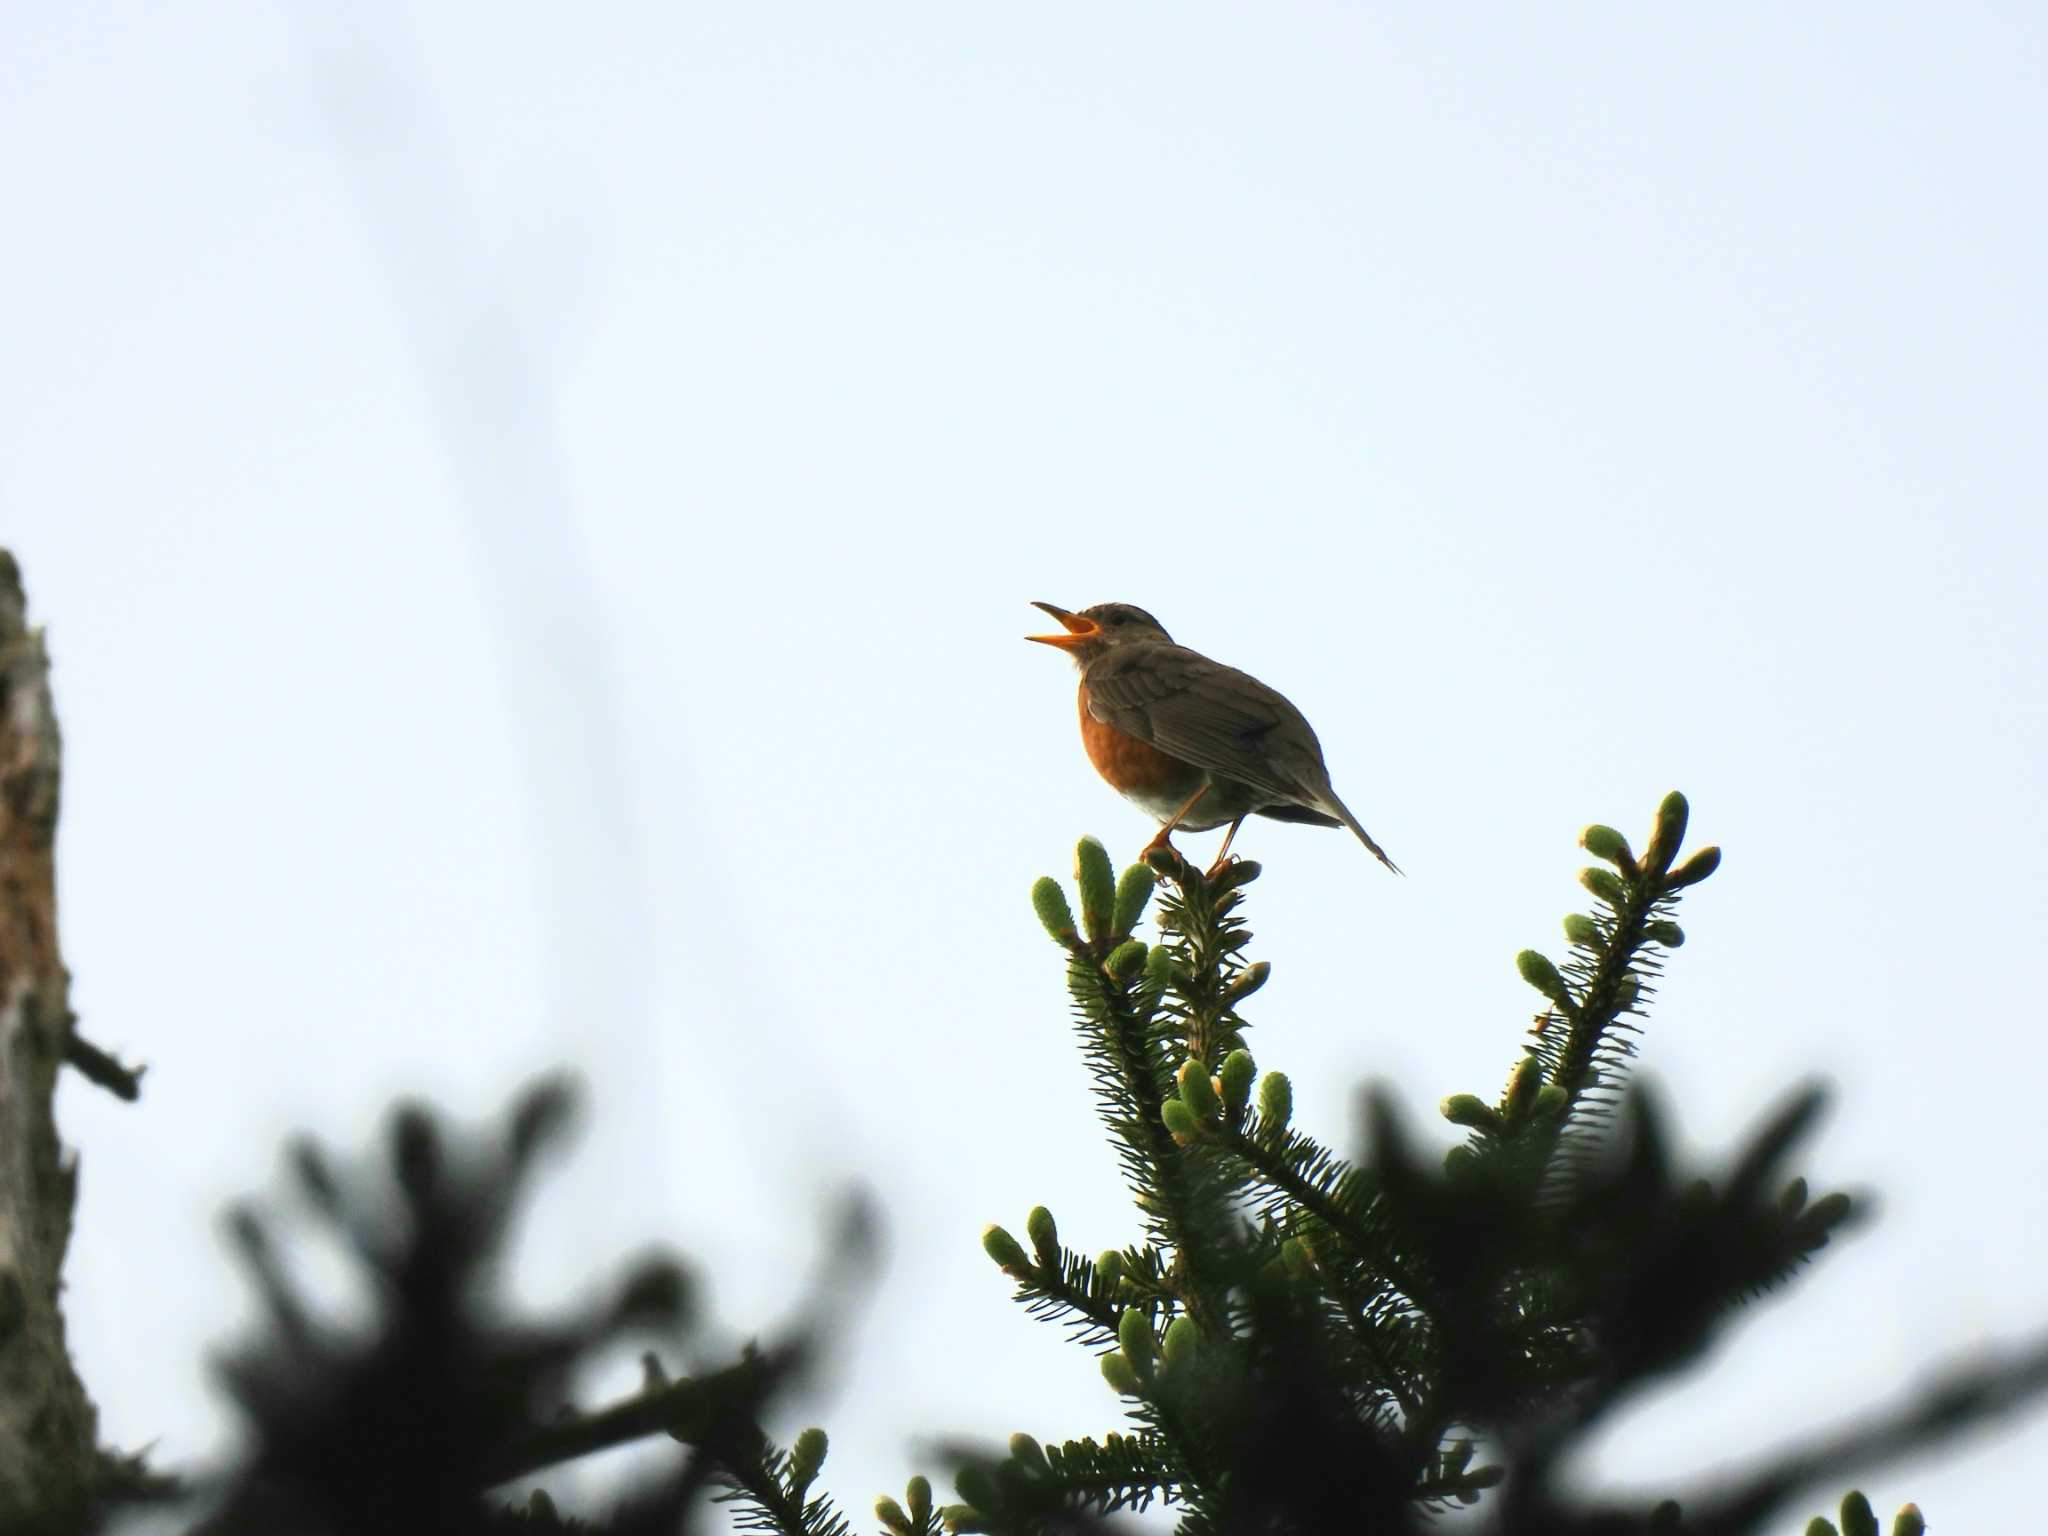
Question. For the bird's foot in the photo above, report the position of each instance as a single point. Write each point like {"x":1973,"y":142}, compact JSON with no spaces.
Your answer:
{"x":1161,"y":854}
{"x":1223,"y":853}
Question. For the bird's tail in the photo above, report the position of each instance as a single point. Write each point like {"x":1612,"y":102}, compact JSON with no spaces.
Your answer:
{"x":1343,"y":813}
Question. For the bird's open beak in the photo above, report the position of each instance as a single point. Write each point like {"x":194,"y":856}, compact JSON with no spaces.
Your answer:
{"x":1079,"y":630}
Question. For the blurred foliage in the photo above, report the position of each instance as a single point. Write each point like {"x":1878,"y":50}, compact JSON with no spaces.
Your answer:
{"x":430,"y":1415}
{"x":1299,"y":1340}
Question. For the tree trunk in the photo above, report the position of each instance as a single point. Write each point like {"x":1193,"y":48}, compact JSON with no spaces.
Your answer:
{"x":47,"y":1424}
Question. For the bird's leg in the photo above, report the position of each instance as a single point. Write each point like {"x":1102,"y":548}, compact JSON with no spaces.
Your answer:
{"x":1165,"y":837}
{"x":1228,"y":837}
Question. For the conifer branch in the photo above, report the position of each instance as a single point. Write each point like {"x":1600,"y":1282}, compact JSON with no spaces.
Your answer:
{"x":1366,"y":1324}
{"x":1335,"y":1332}
{"x":1071,"y":1289}
{"x":1206,"y":940}
{"x":1118,"y":1472}
{"x":685,"y":1410}
{"x":1325,"y":1187}
{"x":1184,"y":1210}
{"x":1585,"y":1039}
{"x":770,"y":1486}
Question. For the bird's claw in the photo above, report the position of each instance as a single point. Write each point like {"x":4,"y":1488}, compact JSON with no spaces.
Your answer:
{"x":1163,"y":857}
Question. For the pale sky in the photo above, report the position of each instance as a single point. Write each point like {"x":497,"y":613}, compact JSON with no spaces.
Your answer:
{"x":534,"y":518}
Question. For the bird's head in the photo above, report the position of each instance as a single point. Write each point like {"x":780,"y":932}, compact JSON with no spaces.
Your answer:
{"x":1094,"y":631}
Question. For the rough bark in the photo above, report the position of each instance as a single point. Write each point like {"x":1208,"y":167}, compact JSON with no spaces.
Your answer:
{"x":47,"y":1424}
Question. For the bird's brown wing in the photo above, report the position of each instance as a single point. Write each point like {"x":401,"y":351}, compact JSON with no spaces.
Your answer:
{"x":1213,"y":716}
{"x":1221,"y":719}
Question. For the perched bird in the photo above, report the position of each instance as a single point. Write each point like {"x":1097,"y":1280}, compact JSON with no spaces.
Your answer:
{"x":1195,"y":743}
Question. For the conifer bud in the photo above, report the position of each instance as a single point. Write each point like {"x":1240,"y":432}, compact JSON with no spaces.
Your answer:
{"x":1160,"y":971}
{"x":1626,"y":993}
{"x":1125,"y":958}
{"x":1235,"y":1077}
{"x":1180,"y":1122}
{"x":1044,"y":1235}
{"x":1460,"y":1159}
{"x":1276,"y":1101}
{"x":1248,"y":981}
{"x":1537,"y":970}
{"x":963,"y":1519}
{"x":976,"y":1486}
{"x":1665,"y":932}
{"x":1793,"y":1201}
{"x":1820,"y":1525}
{"x":1027,"y":1451}
{"x":919,"y":1491}
{"x":1827,"y":1211}
{"x":1606,"y":843}
{"x":1109,"y":1264}
{"x":1908,"y":1521}
{"x":1582,"y":930}
{"x":1234,"y":874}
{"x":1605,"y":884}
{"x":1669,"y":833}
{"x":1097,"y":884}
{"x":806,"y":1456}
{"x":1470,"y":1111}
{"x":1694,"y":869}
{"x":1050,"y":903}
{"x":1132,"y":892}
{"x":1164,"y":861}
{"x":891,"y":1514}
{"x":1523,"y":1083}
{"x":317,"y":1179}
{"x":1294,"y":1253}
{"x":1134,"y":1333}
{"x":1116,"y":1370}
{"x":1858,"y":1518}
{"x":1183,"y":1339}
{"x":1549,"y":1103}
{"x":1196,"y":1091}
{"x":1004,"y":1249}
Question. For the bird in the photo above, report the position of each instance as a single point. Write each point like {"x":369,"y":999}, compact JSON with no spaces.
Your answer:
{"x":1194,"y":743}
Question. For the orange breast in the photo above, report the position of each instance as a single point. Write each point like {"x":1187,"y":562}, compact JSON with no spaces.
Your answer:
{"x":1132,"y":766}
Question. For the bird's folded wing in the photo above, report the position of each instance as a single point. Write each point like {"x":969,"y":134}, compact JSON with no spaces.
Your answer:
{"x":1213,"y":716}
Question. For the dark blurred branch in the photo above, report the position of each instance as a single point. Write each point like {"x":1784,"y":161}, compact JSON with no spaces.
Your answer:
{"x":47,"y":1424}
{"x":1959,"y":1401}
{"x":688,"y":1410}
{"x":97,"y":1066}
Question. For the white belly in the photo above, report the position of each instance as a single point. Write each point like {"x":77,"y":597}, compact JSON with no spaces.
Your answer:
{"x":1214,"y":809}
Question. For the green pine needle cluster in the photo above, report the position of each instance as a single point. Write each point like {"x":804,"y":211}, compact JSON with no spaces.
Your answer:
{"x":1405,"y":1319}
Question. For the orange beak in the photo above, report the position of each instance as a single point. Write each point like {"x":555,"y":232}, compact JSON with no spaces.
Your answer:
{"x":1079,"y":630}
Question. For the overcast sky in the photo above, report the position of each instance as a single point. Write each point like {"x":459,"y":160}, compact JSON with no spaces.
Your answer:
{"x":535,"y":515}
